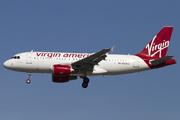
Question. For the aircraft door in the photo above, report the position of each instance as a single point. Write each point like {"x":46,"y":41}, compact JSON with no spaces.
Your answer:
{"x":29,"y":58}
{"x":135,"y":62}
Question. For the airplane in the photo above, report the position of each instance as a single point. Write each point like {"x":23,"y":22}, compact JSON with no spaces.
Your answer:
{"x":68,"y":66}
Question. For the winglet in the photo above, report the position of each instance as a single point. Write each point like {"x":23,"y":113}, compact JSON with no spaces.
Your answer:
{"x":112,"y":48}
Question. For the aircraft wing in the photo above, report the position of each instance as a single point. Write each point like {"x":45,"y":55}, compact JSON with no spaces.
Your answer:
{"x":88,"y":63}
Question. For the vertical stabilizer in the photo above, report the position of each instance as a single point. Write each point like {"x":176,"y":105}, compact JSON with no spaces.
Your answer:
{"x":158,"y":46}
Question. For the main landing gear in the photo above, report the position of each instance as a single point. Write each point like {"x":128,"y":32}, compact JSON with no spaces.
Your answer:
{"x":85,"y":82}
{"x":28,"y":81}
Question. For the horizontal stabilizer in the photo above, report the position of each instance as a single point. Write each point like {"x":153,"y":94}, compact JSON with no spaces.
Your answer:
{"x":161,"y":60}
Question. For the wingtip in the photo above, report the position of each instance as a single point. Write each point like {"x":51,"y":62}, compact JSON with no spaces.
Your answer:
{"x":112,"y":48}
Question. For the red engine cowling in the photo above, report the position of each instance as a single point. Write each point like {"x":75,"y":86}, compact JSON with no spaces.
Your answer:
{"x":60,"y":79}
{"x":63,"y":70}
{"x":62,"y":74}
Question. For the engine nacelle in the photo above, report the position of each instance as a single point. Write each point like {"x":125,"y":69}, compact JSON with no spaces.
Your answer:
{"x":63,"y":70}
{"x":62,"y":79}
{"x":62,"y":74}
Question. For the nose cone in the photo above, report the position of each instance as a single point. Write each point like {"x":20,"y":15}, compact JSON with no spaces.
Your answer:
{"x":7,"y":64}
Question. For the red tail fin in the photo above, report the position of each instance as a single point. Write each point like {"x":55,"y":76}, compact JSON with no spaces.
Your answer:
{"x":158,"y":46}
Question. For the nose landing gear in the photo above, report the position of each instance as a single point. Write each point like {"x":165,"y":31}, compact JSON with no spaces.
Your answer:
{"x":28,"y":81}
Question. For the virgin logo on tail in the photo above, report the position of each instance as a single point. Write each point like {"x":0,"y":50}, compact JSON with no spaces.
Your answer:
{"x":156,"y":48}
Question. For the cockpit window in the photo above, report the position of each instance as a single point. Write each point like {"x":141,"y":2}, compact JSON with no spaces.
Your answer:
{"x":15,"y":57}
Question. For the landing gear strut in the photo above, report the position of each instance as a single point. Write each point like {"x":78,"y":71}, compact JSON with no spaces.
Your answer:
{"x":85,"y":82}
{"x":28,"y":80}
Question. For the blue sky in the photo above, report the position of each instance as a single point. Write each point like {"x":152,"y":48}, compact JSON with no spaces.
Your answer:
{"x":88,"y":26}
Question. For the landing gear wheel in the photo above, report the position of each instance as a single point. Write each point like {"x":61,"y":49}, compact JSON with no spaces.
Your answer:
{"x":86,"y":80}
{"x":84,"y":85}
{"x":28,"y":81}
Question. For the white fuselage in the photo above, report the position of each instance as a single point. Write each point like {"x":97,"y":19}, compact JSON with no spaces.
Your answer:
{"x":68,"y":66}
{"x":42,"y":62}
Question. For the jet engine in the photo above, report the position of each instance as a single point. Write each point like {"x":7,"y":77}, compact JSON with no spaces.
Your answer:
{"x":61,"y":74}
